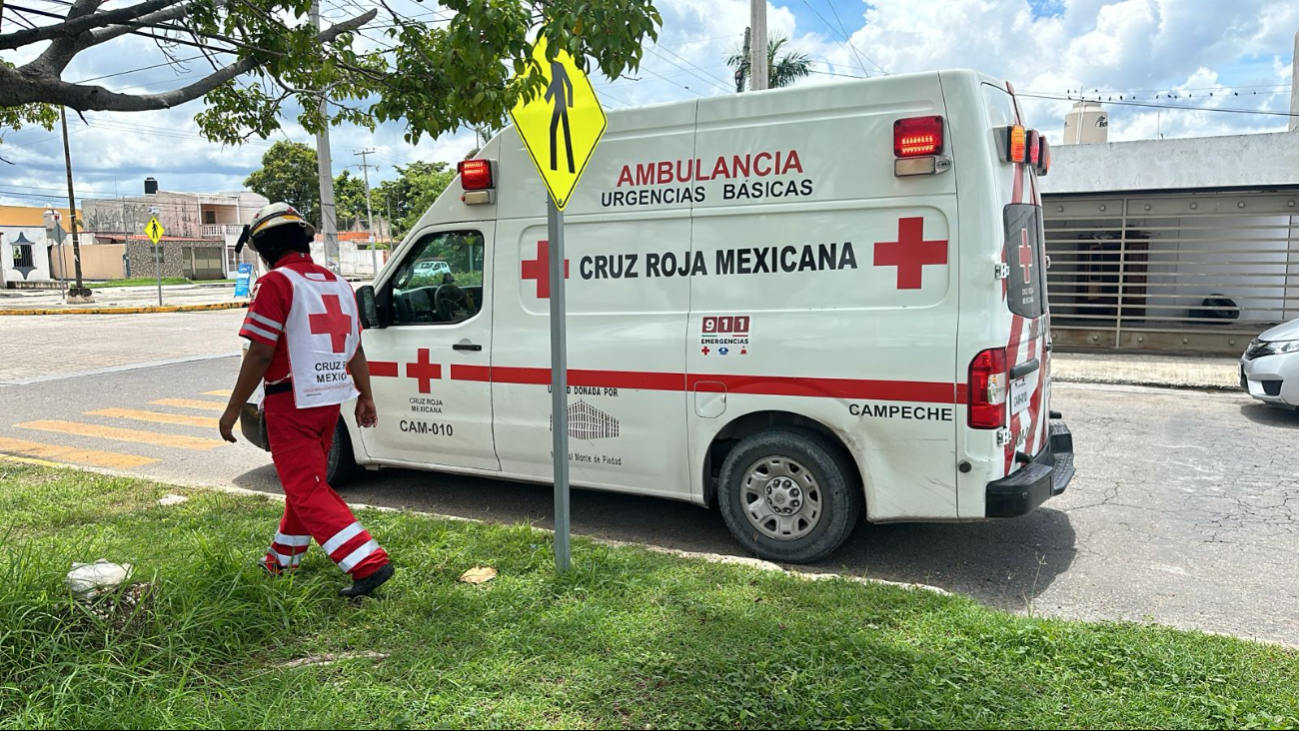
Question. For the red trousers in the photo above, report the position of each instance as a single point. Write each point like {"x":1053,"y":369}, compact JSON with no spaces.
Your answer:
{"x":300,"y":441}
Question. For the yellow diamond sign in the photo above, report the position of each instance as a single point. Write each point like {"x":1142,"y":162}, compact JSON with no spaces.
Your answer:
{"x":154,"y":230}
{"x":562,"y":126}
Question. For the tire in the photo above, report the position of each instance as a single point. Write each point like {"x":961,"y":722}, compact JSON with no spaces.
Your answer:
{"x":780,"y":470}
{"x":340,"y":467}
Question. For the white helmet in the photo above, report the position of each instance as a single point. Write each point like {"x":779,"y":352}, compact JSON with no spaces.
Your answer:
{"x":269,"y":217}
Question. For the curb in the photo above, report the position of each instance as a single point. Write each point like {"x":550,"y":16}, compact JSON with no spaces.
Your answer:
{"x":1145,"y":383}
{"x":148,"y":309}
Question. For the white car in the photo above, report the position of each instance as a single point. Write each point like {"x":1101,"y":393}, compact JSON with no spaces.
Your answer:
{"x":1269,"y":370}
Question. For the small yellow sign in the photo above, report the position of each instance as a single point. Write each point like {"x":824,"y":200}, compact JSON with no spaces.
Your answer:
{"x":561,"y":127}
{"x":154,"y":230}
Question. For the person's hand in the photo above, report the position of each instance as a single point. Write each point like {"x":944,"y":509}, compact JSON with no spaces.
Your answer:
{"x":228,"y":421}
{"x":366,"y":414}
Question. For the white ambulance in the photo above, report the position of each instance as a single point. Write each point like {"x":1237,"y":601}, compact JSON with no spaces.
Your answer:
{"x":799,"y":305}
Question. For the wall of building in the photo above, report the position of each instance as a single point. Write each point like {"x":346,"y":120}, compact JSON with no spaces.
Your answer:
{"x":1237,"y":161}
{"x":176,"y":257}
{"x":29,"y":216}
{"x":98,"y":262}
{"x":181,"y":214}
{"x":39,"y":271}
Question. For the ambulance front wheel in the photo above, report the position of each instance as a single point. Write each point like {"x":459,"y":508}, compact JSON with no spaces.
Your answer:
{"x":340,"y":467}
{"x":789,"y":495}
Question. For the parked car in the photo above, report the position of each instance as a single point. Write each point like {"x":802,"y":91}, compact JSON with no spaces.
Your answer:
{"x":432,"y":268}
{"x":1269,"y":369}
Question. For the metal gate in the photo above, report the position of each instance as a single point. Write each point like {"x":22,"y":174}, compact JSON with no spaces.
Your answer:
{"x":1193,"y":273}
{"x":203,"y":262}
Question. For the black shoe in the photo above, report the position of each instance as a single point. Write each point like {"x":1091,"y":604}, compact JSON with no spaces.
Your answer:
{"x":363,"y":587}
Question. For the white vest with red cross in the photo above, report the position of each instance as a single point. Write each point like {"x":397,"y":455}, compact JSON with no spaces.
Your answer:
{"x":323,"y":332}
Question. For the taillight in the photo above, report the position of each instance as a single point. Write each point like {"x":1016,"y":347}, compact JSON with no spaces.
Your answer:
{"x":1017,"y":144}
{"x":918,"y":136}
{"x":1044,"y":158}
{"x":475,"y":174}
{"x":989,"y":381}
{"x":1034,"y":147}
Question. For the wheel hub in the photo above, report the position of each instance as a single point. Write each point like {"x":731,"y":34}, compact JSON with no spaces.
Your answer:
{"x":782,"y":499}
{"x":784,"y":496}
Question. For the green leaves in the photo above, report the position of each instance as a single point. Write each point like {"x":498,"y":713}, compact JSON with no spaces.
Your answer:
{"x":289,"y":174}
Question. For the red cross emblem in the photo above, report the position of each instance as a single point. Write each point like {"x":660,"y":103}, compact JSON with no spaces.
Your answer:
{"x":332,"y":322}
{"x":910,"y":253}
{"x":1025,"y":256}
{"x":424,"y":371}
{"x":539,"y":269}
{"x":706,"y":351}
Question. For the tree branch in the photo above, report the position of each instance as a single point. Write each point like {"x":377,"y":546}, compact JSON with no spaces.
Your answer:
{"x":131,"y":24}
{"x":62,"y":49}
{"x":19,"y":88}
{"x":75,"y":26}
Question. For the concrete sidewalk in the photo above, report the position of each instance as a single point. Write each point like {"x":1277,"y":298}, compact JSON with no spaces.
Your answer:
{"x":123,"y":300}
{"x":1166,"y":371}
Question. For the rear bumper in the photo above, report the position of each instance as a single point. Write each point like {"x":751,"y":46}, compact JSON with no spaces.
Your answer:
{"x":1045,"y":477}
{"x":252,"y":422}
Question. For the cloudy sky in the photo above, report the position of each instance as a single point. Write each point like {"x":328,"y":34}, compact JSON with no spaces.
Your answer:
{"x":1208,"y":53}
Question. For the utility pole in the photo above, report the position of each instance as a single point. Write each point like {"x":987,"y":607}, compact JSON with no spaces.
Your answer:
{"x":325,"y":170}
{"x":369,"y":215}
{"x":741,"y":73}
{"x":758,"y":48}
{"x":388,"y":201}
{"x":79,"y":293}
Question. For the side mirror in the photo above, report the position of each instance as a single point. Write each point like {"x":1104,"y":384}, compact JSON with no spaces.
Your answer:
{"x":369,"y":309}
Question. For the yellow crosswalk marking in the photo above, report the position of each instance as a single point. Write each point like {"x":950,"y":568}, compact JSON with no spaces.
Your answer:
{"x":186,"y":403}
{"x":72,"y":455}
{"x":224,"y":393}
{"x":158,"y":417}
{"x":122,"y":435}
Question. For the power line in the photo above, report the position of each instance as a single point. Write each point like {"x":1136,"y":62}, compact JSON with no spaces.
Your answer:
{"x":833,"y":32}
{"x":831,"y":73}
{"x":670,"y":81}
{"x":1163,"y":91}
{"x":142,"y":68}
{"x":848,"y":37}
{"x":692,"y":64}
{"x":697,"y":76}
{"x":1261,"y":112}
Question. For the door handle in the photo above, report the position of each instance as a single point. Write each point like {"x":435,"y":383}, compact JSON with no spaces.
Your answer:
{"x":1025,"y":368}
{"x":467,"y":346}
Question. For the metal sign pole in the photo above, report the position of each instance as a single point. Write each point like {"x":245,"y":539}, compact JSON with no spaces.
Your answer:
{"x":157,"y":269}
{"x":559,"y":384}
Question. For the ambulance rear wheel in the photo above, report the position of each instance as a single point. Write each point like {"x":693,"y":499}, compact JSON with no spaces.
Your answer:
{"x":789,"y":495}
{"x":341,"y":467}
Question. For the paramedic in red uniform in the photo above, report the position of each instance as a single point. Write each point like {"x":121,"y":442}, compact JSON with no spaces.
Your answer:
{"x":305,"y":337}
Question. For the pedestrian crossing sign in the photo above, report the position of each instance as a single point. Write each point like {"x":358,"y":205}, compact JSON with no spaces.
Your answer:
{"x":154,"y":230}
{"x":561,"y":126}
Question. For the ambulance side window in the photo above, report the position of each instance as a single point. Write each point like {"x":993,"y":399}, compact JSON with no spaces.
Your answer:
{"x":440,"y":281}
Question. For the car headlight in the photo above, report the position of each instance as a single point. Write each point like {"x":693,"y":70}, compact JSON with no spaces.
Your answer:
{"x":1278,"y":347}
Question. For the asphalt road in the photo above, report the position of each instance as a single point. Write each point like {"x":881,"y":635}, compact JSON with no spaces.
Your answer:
{"x":1184,"y":510}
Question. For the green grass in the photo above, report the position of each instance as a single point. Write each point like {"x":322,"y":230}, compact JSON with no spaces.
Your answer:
{"x":628,"y":639}
{"x":153,"y":282}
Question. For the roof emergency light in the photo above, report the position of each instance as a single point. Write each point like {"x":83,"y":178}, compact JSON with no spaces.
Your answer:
{"x":476,"y":181}
{"x":1044,"y":157}
{"x":918,"y":136}
{"x":1017,"y":144}
{"x":1034,"y":147}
